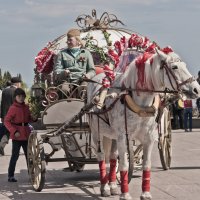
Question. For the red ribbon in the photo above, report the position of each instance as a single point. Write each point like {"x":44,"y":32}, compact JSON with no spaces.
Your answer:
{"x":146,"y":181}
{"x":109,"y":78}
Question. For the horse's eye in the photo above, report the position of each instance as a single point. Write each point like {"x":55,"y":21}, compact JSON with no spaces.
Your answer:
{"x":175,"y":67}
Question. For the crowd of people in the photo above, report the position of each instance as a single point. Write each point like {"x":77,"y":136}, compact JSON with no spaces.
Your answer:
{"x":182,"y":110}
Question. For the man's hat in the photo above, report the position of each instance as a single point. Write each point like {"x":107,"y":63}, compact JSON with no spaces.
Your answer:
{"x":73,"y":33}
{"x":15,"y":80}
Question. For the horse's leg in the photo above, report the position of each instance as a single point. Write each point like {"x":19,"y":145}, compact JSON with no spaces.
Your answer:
{"x":112,"y":173}
{"x":147,"y":150}
{"x":105,"y":188}
{"x":123,"y":168}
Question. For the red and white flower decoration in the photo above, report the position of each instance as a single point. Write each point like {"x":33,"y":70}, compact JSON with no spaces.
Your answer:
{"x":44,"y":60}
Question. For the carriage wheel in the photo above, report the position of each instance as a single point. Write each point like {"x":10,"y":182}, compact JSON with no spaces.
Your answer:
{"x":164,"y":145}
{"x":138,"y":157}
{"x":36,"y":161}
{"x":130,"y":163}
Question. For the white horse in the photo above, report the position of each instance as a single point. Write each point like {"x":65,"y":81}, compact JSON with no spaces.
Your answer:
{"x":158,"y":72}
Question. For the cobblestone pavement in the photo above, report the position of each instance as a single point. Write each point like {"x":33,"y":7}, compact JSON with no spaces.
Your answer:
{"x":181,"y":182}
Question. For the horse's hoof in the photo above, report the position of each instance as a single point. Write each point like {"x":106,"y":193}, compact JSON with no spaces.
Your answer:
{"x":146,"y":196}
{"x":125,"y":196}
{"x":113,"y":188}
{"x":105,"y":190}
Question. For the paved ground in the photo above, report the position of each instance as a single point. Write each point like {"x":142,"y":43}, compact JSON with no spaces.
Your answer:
{"x":181,"y":182}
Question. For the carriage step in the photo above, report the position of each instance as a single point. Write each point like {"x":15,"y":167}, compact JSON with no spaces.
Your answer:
{"x":78,"y":160}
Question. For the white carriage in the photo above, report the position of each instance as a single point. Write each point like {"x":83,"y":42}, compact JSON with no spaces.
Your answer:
{"x":64,"y":116}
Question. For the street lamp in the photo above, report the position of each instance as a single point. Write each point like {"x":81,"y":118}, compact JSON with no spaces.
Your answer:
{"x":36,"y":90}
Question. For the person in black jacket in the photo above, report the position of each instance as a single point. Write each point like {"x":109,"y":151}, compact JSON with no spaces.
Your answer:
{"x":198,"y":99}
{"x":6,"y":101}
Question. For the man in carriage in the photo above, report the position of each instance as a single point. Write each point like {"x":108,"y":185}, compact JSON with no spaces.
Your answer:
{"x":74,"y":62}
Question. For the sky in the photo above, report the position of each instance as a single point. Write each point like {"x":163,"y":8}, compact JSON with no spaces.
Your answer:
{"x":26,"y":26}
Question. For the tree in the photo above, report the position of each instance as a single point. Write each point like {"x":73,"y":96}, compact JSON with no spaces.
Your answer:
{"x":0,"y":75}
{"x":6,"y":77}
{"x":20,"y":76}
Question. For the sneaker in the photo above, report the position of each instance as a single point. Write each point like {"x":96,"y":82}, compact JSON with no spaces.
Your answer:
{"x":12,"y":179}
{"x":190,"y":130}
{"x":186,"y":130}
{"x":2,"y":151}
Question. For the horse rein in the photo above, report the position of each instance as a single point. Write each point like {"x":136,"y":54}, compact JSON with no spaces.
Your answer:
{"x":122,"y":88}
{"x":170,"y":72}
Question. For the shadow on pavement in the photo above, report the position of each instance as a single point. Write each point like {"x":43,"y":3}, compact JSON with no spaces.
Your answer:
{"x":59,"y":185}
{"x":176,"y":168}
{"x":180,"y":168}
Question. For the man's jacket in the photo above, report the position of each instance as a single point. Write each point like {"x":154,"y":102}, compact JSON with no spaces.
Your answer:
{"x":7,"y":100}
{"x":77,"y":65}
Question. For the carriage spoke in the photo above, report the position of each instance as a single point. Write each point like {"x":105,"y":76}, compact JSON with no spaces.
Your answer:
{"x":36,"y":167}
{"x":165,"y":140}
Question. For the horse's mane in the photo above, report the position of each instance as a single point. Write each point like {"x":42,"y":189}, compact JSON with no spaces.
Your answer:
{"x":136,"y":71}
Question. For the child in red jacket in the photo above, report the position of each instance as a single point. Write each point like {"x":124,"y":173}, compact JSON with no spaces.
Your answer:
{"x":16,"y":121}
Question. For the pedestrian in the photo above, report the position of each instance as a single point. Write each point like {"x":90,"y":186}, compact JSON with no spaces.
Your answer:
{"x":198,"y":106}
{"x":177,"y":110}
{"x":17,"y":122}
{"x":74,"y":62}
{"x":198,"y":78}
{"x":198,"y":99}
{"x":188,"y":114}
{"x":6,"y":101}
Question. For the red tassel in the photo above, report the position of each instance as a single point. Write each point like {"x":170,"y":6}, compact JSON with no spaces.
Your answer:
{"x":146,"y":181}
{"x":124,"y":181}
{"x":112,"y":174}
{"x":103,"y":175}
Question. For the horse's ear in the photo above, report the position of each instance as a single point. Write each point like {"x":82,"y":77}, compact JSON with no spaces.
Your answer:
{"x":161,"y":54}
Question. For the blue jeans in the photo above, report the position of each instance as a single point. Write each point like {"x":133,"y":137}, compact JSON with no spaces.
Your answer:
{"x":188,"y":116}
{"x":16,"y":145}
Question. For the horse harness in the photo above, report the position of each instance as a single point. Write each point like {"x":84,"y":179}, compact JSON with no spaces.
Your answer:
{"x":169,"y":72}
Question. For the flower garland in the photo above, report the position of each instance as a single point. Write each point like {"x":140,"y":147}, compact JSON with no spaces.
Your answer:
{"x":138,"y":42}
{"x":91,"y":45}
{"x":44,"y":60}
{"x":112,"y":55}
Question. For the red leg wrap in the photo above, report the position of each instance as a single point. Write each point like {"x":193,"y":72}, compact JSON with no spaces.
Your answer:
{"x":146,"y":181}
{"x":112,"y":174}
{"x":103,"y":175}
{"x":124,"y":181}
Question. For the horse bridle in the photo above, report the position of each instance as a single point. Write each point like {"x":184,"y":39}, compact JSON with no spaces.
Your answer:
{"x":169,"y":72}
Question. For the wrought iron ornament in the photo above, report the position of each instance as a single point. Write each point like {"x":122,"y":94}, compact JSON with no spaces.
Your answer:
{"x":106,"y":20}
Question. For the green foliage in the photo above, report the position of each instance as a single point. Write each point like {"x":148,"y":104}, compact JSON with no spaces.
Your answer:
{"x":92,"y":46}
{"x":4,"y":79}
{"x":35,"y":106}
{"x":100,"y":54}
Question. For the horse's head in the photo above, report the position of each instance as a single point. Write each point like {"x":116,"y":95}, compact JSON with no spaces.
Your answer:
{"x":176,"y":75}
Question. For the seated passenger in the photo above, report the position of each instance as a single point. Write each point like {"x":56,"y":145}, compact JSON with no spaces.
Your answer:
{"x":74,"y":62}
